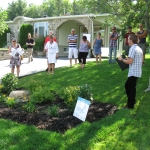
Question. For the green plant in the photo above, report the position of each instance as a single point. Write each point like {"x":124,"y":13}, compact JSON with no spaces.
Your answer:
{"x":53,"y":110}
{"x":86,"y":92}
{"x":9,"y":82}
{"x":70,"y":95}
{"x":42,"y":95}
{"x":24,"y":30}
{"x":11,"y":102}
{"x":3,"y":37}
{"x":39,"y":43}
{"x":2,"y":97}
{"x":29,"y":107}
{"x":25,"y":47}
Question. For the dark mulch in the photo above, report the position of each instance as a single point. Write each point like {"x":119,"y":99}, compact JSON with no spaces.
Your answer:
{"x":42,"y":120}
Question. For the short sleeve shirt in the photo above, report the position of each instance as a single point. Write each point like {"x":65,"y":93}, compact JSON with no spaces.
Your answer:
{"x":135,"y":69}
{"x":126,"y":37}
{"x":47,"y":39}
{"x":31,"y":40}
{"x":113,"y":43}
{"x":72,"y":37}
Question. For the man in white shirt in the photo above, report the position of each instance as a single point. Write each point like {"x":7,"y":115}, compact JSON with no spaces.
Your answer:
{"x":135,"y":69}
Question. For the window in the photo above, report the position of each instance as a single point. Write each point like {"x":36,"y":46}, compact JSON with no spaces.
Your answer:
{"x":40,"y":29}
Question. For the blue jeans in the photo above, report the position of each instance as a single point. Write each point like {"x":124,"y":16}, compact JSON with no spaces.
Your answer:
{"x":114,"y":49}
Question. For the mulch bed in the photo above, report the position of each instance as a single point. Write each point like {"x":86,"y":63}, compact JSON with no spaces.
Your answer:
{"x":42,"y":120}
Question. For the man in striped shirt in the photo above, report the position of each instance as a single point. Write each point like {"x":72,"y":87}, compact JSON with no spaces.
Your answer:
{"x":134,"y":60}
{"x":72,"y":40}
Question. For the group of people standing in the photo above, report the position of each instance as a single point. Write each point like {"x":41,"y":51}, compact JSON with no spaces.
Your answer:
{"x":134,"y":44}
{"x":135,"y":49}
{"x":141,"y":34}
{"x":84,"y":47}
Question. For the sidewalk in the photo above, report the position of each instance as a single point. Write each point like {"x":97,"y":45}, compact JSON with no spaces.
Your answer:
{"x":37,"y":65}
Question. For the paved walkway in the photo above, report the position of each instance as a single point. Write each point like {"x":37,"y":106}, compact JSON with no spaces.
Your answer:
{"x":38,"y":65}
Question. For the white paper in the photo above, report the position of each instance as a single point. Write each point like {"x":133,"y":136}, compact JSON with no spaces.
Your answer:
{"x":81,"y":108}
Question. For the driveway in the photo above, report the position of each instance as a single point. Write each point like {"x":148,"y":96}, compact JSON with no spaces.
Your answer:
{"x":37,"y":65}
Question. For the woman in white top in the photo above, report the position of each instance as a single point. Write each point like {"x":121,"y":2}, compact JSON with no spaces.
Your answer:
{"x":15,"y":51}
{"x":52,"y":50}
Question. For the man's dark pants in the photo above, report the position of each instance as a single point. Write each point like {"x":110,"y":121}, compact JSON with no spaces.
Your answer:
{"x":130,"y":87}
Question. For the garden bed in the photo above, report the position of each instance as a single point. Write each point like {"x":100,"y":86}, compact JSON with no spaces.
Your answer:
{"x":65,"y":120}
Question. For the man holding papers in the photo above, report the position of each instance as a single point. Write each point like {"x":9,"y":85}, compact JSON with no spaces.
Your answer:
{"x":15,"y":52}
{"x":134,"y":60}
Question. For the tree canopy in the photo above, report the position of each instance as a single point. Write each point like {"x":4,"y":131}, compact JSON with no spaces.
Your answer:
{"x":128,"y":12}
{"x":3,"y":16}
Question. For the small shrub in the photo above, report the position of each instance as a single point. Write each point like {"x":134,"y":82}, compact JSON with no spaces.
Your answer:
{"x":70,"y":95}
{"x":29,"y":107}
{"x":11,"y":102}
{"x":53,"y":110}
{"x":86,"y":92}
{"x":9,"y":82}
{"x":24,"y":46}
{"x":39,"y":42}
{"x":42,"y":95}
{"x":2,"y":97}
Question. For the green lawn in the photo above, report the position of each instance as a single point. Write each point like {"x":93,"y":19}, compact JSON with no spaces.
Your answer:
{"x":3,"y":49}
{"x":125,"y":130}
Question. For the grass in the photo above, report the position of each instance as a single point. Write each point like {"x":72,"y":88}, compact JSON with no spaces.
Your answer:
{"x":125,"y":130}
{"x":3,"y":49}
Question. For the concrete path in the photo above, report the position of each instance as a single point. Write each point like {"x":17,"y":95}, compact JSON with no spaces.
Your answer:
{"x":38,"y":65}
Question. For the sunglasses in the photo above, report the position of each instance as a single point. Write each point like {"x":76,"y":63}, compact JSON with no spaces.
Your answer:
{"x":13,"y":41}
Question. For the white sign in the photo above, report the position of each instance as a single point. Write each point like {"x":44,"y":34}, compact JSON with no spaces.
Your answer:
{"x":81,"y":108}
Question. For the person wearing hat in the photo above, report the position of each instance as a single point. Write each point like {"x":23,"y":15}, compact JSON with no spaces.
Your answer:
{"x":126,"y":44}
{"x":15,"y":52}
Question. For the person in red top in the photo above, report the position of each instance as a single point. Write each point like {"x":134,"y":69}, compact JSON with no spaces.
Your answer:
{"x":47,"y":39}
{"x":126,"y":44}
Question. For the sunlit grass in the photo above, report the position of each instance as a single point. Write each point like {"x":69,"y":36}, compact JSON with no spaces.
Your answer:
{"x":125,"y":130}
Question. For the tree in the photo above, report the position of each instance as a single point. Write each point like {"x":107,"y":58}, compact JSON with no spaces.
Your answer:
{"x":33,"y":11}
{"x":3,"y":25}
{"x":3,"y":37}
{"x":128,"y":12}
{"x":24,"y":30}
{"x":16,"y":8}
{"x":77,"y":8}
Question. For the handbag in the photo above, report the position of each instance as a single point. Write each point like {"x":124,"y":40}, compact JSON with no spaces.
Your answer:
{"x":21,"y":57}
{"x":57,"y":56}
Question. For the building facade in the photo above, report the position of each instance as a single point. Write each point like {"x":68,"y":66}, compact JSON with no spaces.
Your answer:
{"x":61,"y":26}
